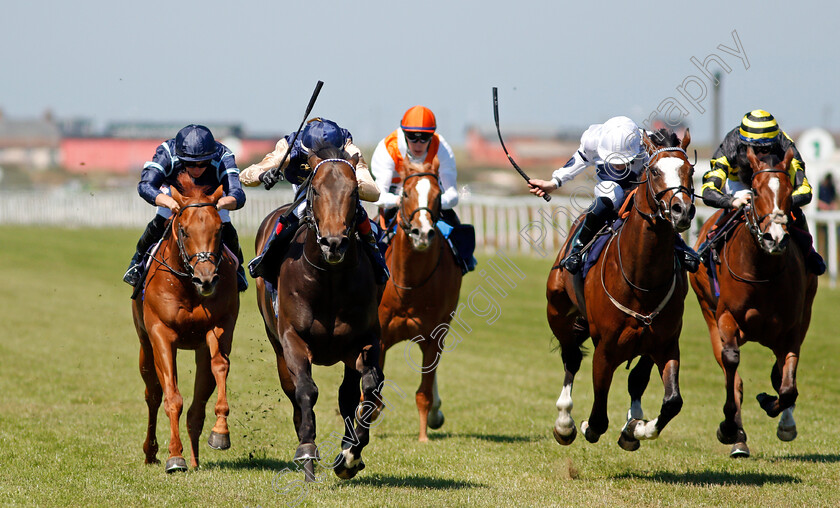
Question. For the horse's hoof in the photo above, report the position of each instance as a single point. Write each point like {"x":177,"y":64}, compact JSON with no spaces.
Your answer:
{"x":786,"y":433}
{"x":219,"y":441}
{"x":152,"y":460}
{"x":436,"y":420}
{"x":739,"y":451}
{"x":565,"y":440}
{"x":306,"y":451}
{"x":176,"y":464}
{"x":725,"y":438}
{"x":588,"y":433}
{"x":766,"y":402}
{"x":345,"y":472}
{"x":630,"y":444}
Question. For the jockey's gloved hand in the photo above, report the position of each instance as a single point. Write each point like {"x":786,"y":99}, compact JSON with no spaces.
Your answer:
{"x":268,"y":179}
{"x":740,"y":202}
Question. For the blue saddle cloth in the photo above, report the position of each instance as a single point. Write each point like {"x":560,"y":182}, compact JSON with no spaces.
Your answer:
{"x":461,"y":238}
{"x":594,"y":252}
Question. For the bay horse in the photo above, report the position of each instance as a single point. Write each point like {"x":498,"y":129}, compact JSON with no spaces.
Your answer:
{"x":190,"y":301}
{"x":325,"y":310}
{"x":766,"y":296}
{"x":631,"y":303}
{"x":423,"y":290}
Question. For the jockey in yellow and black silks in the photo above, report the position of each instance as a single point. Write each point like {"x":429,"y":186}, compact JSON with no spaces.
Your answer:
{"x":724,"y":185}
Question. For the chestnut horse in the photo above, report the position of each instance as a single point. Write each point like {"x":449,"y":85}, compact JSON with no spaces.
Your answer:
{"x":190,"y":302}
{"x":632,"y":301}
{"x":325,"y":310}
{"x":423,"y":290}
{"x":765,"y":296}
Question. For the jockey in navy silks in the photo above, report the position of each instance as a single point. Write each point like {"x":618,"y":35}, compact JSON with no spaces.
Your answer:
{"x":194,"y":151}
{"x":317,"y":133}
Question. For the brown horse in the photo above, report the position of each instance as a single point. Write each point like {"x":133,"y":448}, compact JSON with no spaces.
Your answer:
{"x":765,"y":296}
{"x":325,"y":310}
{"x":422,"y":292}
{"x":190,"y":302}
{"x":632,"y":301}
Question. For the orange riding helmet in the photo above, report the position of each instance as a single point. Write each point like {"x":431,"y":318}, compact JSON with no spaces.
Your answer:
{"x":418,"y":119}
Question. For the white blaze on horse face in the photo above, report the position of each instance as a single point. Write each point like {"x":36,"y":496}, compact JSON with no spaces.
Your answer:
{"x":776,"y":230}
{"x":670,"y":167}
{"x":423,"y":187}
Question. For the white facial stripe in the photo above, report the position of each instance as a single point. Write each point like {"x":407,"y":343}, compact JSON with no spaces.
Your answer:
{"x":774,"y":186}
{"x":423,"y":188}
{"x":670,"y":167}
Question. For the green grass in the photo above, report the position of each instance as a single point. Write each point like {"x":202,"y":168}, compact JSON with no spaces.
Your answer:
{"x":72,"y":415}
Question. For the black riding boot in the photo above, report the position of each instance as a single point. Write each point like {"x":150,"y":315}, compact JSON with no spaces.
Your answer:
{"x":802,"y":236}
{"x":689,"y":259}
{"x":264,"y":264}
{"x":231,"y":239}
{"x":153,"y":233}
{"x":380,"y":268}
{"x":592,"y":223}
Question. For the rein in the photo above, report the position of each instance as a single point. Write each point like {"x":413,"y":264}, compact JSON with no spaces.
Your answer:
{"x":309,"y":215}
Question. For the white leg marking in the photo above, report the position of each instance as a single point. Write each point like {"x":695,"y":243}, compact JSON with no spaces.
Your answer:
{"x":646,"y":430}
{"x":349,"y":459}
{"x":565,"y":423}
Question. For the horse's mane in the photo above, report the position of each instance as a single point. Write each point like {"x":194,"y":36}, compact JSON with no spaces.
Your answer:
{"x":188,"y":188}
{"x":664,"y":138}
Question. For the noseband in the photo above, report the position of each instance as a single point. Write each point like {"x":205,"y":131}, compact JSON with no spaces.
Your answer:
{"x":198,"y":256}
{"x":405,"y":220}
{"x":663,"y":209}
{"x":309,"y":214}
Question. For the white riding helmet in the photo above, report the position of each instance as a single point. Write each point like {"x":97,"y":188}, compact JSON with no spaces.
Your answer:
{"x":621,"y":141}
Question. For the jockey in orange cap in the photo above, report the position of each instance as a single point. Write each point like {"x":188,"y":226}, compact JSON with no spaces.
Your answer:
{"x":414,"y":141}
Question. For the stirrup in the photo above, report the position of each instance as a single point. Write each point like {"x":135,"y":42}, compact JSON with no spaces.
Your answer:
{"x":573,"y":262}
{"x":132,"y":275}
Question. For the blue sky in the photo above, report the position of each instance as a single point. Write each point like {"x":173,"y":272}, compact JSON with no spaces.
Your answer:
{"x":558,"y":65}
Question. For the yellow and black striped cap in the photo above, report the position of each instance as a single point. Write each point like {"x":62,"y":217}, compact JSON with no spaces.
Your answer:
{"x":758,"y":127}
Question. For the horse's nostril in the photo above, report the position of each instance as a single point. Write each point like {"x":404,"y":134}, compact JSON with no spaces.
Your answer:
{"x":342,"y":245}
{"x":431,"y":233}
{"x":324,"y":242}
{"x":677,"y":209}
{"x":691,"y":211}
{"x":415,"y":231}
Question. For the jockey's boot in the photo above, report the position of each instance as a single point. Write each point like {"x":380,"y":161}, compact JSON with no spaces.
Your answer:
{"x":231,"y":239}
{"x":278,"y":242}
{"x":153,"y":233}
{"x":368,"y":240}
{"x":800,"y":234}
{"x":592,"y":223}
{"x":686,"y":255}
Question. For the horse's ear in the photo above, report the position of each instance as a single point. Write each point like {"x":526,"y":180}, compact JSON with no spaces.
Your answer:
{"x":648,"y":143}
{"x":751,"y":157}
{"x":313,"y":160}
{"x":435,"y":164}
{"x":788,"y":157}
{"x":220,"y":191}
{"x":355,"y":159}
{"x":177,"y":196}
{"x":685,"y":140}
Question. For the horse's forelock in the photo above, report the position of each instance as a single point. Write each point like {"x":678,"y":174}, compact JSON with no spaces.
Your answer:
{"x":664,"y":138}
{"x":188,"y":188}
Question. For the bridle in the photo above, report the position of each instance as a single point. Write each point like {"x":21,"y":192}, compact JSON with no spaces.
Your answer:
{"x":752,"y":218}
{"x":663,"y":208}
{"x":309,"y":214}
{"x":182,"y":251}
{"x":405,"y":219}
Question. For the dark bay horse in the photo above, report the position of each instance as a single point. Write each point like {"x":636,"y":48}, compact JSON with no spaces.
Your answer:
{"x":632,"y":301}
{"x":765,"y":296}
{"x":190,"y":302}
{"x":423,"y":290}
{"x":325,"y":311}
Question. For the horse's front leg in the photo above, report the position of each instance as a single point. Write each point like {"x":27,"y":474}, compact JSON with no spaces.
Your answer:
{"x":783,"y":377}
{"x":427,"y":399}
{"x":637,"y":383}
{"x":728,"y":354}
{"x":602,"y":374}
{"x":640,"y":429}
{"x":349,"y":461}
{"x":296,"y":357}
{"x":163,"y":339}
{"x":219,"y":342}
{"x":204,"y":386}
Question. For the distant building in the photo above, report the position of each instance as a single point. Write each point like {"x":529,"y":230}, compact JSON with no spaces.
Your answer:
{"x":33,"y":143}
